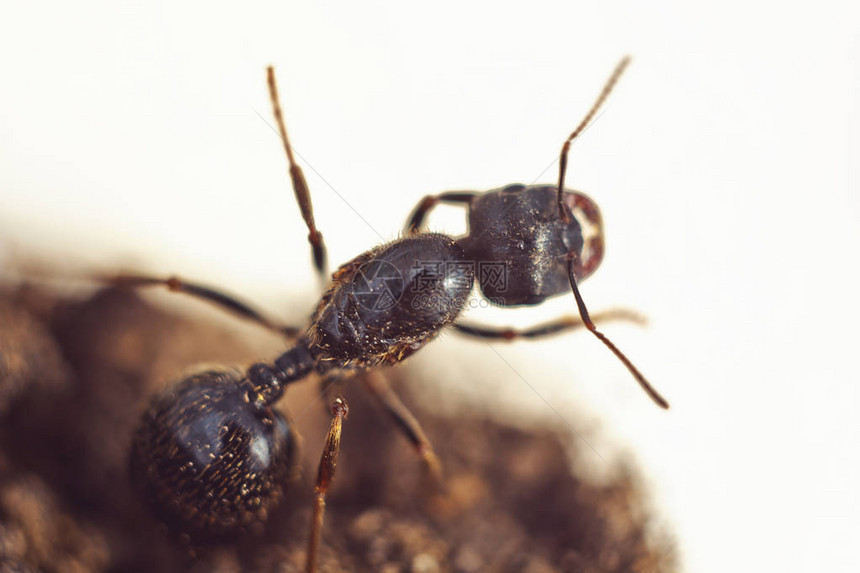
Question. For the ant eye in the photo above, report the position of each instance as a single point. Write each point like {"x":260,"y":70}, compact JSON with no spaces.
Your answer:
{"x":514,"y":188}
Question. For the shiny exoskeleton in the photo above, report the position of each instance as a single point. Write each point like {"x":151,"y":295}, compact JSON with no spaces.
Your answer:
{"x":211,"y":453}
{"x":388,"y":302}
{"x":517,"y":231}
{"x":208,"y":457}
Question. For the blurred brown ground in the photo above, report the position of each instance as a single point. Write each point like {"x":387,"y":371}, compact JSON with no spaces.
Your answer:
{"x":75,"y":375}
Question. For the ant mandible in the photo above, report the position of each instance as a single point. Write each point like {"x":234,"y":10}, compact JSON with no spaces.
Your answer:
{"x":211,"y":453}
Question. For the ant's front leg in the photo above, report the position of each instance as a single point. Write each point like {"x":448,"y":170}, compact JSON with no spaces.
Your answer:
{"x":378,"y":386}
{"x":428,"y":203}
{"x":219,"y":299}
{"x":548,"y":329}
{"x":325,"y":475}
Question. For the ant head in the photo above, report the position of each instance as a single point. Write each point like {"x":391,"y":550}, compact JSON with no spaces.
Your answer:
{"x":532,"y":242}
{"x":521,"y":245}
{"x":529,"y":235}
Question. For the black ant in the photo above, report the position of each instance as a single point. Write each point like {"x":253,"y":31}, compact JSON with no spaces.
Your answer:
{"x":213,"y":455}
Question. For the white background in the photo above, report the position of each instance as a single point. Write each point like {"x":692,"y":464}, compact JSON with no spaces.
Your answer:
{"x":725,"y":165}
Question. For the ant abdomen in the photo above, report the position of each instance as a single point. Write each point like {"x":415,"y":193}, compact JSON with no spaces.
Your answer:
{"x":210,"y":459}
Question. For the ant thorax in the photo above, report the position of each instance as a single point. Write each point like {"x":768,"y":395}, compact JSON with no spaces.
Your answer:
{"x":387,"y":303}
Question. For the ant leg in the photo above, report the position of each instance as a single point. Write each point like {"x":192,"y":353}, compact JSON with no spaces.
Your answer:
{"x":300,"y":185}
{"x":586,"y":319}
{"x":331,"y":386}
{"x":377,"y":385}
{"x":224,"y":301}
{"x":379,"y":388}
{"x":547,"y":329}
{"x":325,"y":474}
{"x":416,"y":219}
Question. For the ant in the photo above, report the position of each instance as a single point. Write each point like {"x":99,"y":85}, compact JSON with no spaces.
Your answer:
{"x":212,"y":454}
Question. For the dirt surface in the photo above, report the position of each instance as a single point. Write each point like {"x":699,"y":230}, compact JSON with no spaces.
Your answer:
{"x":76,"y":374}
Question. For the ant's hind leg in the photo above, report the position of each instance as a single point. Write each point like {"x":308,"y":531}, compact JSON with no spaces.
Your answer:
{"x":428,"y":203}
{"x":548,"y":329}
{"x":219,"y":299}
{"x":300,"y":185}
{"x":325,"y":475}
{"x":378,"y":387}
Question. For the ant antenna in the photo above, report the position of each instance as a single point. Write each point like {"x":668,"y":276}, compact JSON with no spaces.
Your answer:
{"x":572,"y":262}
{"x":586,"y":319}
{"x":300,"y":185}
{"x":565,"y":149}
